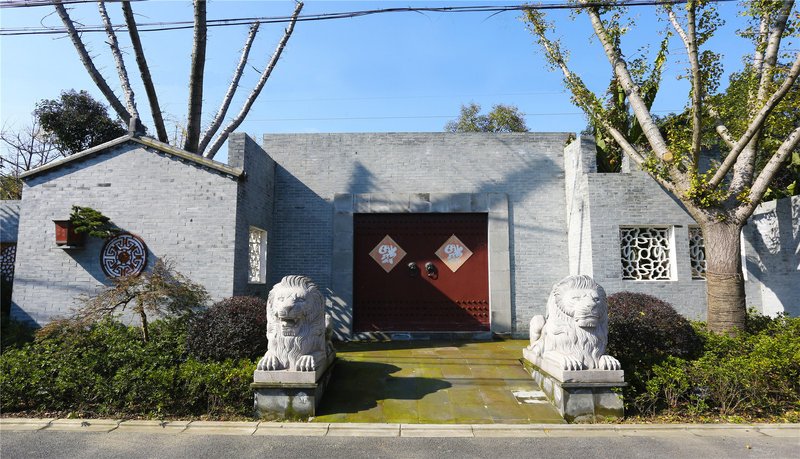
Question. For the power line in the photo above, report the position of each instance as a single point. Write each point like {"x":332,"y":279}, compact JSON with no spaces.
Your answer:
{"x":36,"y":3}
{"x":379,"y":118}
{"x":178,"y":25}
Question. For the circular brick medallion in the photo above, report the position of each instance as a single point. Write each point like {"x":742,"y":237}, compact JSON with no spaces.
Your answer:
{"x":123,"y":255}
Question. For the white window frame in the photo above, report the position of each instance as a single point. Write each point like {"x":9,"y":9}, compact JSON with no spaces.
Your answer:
{"x":671,"y":255}
{"x":261,"y":277}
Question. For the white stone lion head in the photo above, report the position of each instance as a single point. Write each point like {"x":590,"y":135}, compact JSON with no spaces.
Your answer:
{"x":295,"y":326}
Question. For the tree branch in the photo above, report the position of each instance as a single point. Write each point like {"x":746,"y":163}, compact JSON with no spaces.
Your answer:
{"x":223,"y":136}
{"x":195,"y":113}
{"x":771,"y":52}
{"x":689,"y":38}
{"x":649,"y":127}
{"x":761,"y":45}
{"x":763,"y":180}
{"x":144,"y":70}
{"x":226,"y":101}
{"x":86,"y":59}
{"x":756,"y":124}
{"x":720,"y":128}
{"x":124,"y":81}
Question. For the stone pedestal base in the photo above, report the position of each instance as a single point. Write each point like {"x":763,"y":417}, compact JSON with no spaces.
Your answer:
{"x":579,"y":398}
{"x":294,"y":400}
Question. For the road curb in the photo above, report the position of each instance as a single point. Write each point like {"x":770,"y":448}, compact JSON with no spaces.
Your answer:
{"x":255,"y":428}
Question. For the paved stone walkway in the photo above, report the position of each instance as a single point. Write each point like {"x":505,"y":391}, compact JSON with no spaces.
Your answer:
{"x":428,"y":382}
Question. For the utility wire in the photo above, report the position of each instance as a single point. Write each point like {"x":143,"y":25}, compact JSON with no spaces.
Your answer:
{"x":177,"y":25}
{"x":35,"y":3}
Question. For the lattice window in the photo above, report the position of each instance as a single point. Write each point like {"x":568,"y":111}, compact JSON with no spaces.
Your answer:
{"x":8,"y":253}
{"x":697,"y":252}
{"x":258,"y":256}
{"x":645,"y":253}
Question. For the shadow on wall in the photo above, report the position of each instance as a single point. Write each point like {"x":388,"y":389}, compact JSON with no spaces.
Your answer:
{"x":776,"y":264}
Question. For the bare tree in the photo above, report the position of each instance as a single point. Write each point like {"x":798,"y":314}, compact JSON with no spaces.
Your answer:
{"x":721,"y":198}
{"x":192,"y":139}
{"x":23,"y":150}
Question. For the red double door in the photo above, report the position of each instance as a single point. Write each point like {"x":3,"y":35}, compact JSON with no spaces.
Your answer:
{"x":420,"y":272}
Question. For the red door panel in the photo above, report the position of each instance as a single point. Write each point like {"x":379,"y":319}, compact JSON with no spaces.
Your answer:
{"x":410,"y":300}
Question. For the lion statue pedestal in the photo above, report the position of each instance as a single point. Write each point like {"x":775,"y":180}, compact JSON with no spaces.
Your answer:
{"x":567,"y":358}
{"x":291,"y":377}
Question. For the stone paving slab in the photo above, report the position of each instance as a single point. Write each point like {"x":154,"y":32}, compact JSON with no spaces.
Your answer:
{"x":507,"y":430}
{"x":221,"y":428}
{"x":25,"y":423}
{"x":436,"y":430}
{"x":364,"y":430}
{"x":152,"y":426}
{"x":292,"y":429}
{"x":84,"y":425}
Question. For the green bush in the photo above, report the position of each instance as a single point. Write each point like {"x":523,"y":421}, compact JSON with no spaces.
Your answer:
{"x":752,"y":375}
{"x":234,"y":328}
{"x":13,"y":333}
{"x":105,"y":369}
{"x":644,"y":331}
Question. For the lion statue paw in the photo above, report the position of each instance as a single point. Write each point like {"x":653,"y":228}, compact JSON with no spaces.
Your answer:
{"x":608,"y":363}
{"x":269,"y":362}
{"x":306,"y":363}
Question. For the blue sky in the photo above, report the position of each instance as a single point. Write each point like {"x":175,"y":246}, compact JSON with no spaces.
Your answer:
{"x":381,"y":73}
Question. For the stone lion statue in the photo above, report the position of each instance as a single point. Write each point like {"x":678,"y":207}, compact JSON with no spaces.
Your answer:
{"x":297,"y":330}
{"x":575,"y":332}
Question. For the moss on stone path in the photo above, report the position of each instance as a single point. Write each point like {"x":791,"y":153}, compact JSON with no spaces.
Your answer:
{"x":461,"y":382}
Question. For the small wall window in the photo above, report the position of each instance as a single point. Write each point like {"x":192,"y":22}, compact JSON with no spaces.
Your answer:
{"x":646,"y":253}
{"x":258,"y":256}
{"x":697,"y":252}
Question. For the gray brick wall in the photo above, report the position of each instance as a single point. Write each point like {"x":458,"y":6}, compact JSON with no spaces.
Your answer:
{"x":254,"y":207}
{"x":182,"y":211}
{"x":635,"y":199}
{"x":9,"y":220}
{"x":528,"y":167}
{"x":772,"y":243}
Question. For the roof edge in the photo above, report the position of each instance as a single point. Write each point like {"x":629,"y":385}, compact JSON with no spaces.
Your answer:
{"x":141,"y":140}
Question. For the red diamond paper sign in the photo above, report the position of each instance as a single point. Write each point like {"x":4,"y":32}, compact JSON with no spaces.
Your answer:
{"x":453,"y":253}
{"x":387,"y":253}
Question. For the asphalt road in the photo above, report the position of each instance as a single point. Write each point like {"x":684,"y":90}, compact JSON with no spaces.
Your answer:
{"x":582,"y":445}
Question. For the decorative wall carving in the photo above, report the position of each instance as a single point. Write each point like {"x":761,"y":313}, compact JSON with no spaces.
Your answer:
{"x":257,"y":256}
{"x":645,"y":253}
{"x":697,"y":252}
{"x":8,"y":254}
{"x":123,"y":255}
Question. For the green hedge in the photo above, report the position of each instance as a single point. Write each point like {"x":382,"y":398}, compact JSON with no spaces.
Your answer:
{"x":755,"y":375}
{"x":106,"y":370}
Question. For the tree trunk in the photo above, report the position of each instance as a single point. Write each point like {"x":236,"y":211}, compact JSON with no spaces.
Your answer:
{"x":724,"y":280}
{"x":145,"y":330}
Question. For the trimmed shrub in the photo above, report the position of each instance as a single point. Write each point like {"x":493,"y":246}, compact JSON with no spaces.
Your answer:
{"x":751,"y":375}
{"x":234,"y":328}
{"x":105,"y":369}
{"x":13,"y":333}
{"x":642,"y":332}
